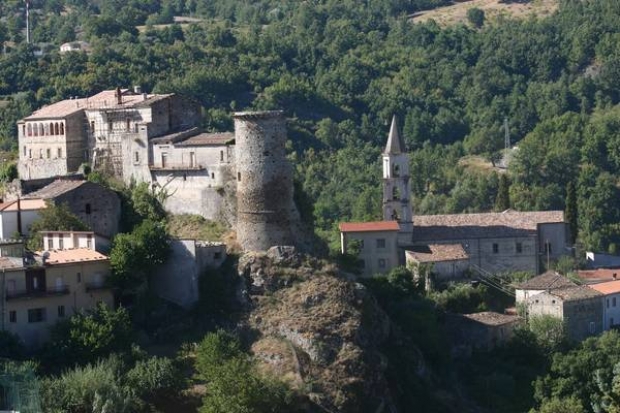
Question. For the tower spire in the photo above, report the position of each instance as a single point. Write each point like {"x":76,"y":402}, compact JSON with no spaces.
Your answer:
{"x":395,"y":144}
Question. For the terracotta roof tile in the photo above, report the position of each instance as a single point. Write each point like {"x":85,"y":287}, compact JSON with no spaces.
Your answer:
{"x":610,"y":287}
{"x":438,"y":253}
{"x":598,"y":275}
{"x":24,"y":205}
{"x":56,"y":188}
{"x":575,"y":293}
{"x":205,"y":139}
{"x":546,"y":281}
{"x":57,"y":257}
{"x":11,"y":263}
{"x":369,"y":226}
{"x":485,"y":225}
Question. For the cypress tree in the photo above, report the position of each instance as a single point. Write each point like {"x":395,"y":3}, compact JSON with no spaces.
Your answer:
{"x":502,"y":201}
{"x":570,"y":212}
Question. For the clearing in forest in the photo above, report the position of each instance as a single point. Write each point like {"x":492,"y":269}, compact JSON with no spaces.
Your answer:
{"x":457,"y":13}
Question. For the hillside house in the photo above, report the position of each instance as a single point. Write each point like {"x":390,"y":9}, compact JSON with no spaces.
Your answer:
{"x":376,"y":242}
{"x":481,"y":331}
{"x":550,"y":280}
{"x":580,"y":307}
{"x":446,"y":261}
{"x":611,"y":302}
{"x":52,"y":285}
{"x":17,"y":216}
{"x":97,"y":206}
{"x":60,"y":240}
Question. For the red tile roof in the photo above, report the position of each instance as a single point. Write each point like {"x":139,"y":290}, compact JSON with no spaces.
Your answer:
{"x":547,"y":281}
{"x":70,"y":256}
{"x":601,"y":274}
{"x":610,"y":287}
{"x":24,"y":205}
{"x":369,"y":226}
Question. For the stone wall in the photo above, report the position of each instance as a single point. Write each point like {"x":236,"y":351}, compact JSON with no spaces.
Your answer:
{"x":97,"y":206}
{"x":583,"y":318}
{"x":265,"y":208}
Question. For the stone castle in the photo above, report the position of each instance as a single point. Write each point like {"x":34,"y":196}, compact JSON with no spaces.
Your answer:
{"x":242,"y":177}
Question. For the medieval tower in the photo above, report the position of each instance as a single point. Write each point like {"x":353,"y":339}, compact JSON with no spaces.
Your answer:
{"x":266,"y":212}
{"x":396,"y":185}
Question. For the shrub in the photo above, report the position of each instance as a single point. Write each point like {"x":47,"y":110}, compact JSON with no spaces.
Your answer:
{"x":154,"y":376}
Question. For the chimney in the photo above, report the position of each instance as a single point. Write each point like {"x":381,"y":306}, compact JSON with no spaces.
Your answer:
{"x":119,"y":96}
{"x":615,"y":276}
{"x":137,"y":89}
{"x":144,"y":96}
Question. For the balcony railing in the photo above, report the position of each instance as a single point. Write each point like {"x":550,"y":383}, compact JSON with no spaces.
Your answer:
{"x":36,"y":293}
{"x":100,"y":285}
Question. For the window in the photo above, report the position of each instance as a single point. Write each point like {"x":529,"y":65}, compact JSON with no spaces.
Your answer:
{"x":92,"y":126}
{"x":238,"y":176}
{"x":79,"y":277}
{"x":136,"y":156}
{"x":87,"y":209}
{"x":36,"y":315}
{"x":381,"y":263}
{"x":25,"y":151}
{"x":217,"y":255}
{"x":212,"y":175}
{"x":12,"y":316}
{"x":48,"y":152}
{"x":128,"y":124}
{"x":30,"y":153}
{"x":62,"y":128}
{"x":221,"y":156}
{"x":61,"y":243}
{"x":59,"y":152}
{"x":592,"y":327}
{"x":519,"y":248}
{"x":164,"y":159}
{"x":61,"y":311}
{"x":23,"y":130}
{"x":89,"y":241}
{"x":611,"y":321}
{"x":29,"y":129}
{"x":56,"y":129}
{"x":50,"y":243}
{"x":110,"y":125}
{"x":381,"y":243}
{"x":40,"y":153}
{"x":495,"y":248}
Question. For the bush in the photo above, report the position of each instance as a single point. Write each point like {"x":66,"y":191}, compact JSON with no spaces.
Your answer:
{"x":461,"y":298}
{"x":11,"y":346}
{"x":154,"y":376}
{"x":475,"y":16}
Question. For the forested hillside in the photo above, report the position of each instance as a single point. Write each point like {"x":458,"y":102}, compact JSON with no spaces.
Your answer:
{"x":340,"y":70}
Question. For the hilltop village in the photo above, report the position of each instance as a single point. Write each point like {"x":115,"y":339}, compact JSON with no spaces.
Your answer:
{"x":244,"y":178}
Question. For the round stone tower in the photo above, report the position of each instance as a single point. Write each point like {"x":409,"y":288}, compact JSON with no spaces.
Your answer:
{"x":265,"y":208}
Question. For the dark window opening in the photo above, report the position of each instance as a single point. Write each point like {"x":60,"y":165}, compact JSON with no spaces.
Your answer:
{"x":495,"y":248}
{"x":519,"y":248}
{"x":12,"y":316}
{"x":238,"y":176}
{"x":87,"y":209}
{"x":36,"y":315}
{"x":61,"y":311}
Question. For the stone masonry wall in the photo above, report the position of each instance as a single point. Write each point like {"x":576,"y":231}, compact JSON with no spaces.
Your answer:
{"x":265,"y":208}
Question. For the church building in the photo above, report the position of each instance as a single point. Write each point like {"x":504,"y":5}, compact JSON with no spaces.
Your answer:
{"x":452,"y":245}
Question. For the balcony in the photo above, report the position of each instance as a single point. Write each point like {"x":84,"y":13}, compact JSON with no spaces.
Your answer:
{"x":94,"y":286}
{"x":37,"y":293}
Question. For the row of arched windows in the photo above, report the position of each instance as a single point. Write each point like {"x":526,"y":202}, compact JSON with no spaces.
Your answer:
{"x":43,"y":129}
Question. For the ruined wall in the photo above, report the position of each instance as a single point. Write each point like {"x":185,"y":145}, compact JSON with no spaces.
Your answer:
{"x":265,"y":208}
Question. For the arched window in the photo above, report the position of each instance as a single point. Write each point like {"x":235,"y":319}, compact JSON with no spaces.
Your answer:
{"x":46,"y":129}
{"x":56,"y":129}
{"x":36,"y":129}
{"x":62,"y":128}
{"x":41,"y":129}
{"x":396,"y":170}
{"x":29,"y":129}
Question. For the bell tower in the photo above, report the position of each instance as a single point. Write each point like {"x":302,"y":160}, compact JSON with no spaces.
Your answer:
{"x":396,"y":184}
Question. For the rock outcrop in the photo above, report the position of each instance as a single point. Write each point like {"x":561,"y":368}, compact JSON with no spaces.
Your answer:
{"x":317,"y":330}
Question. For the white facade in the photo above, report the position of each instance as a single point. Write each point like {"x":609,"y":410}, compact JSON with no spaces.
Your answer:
{"x":378,"y":249}
{"x":611,"y":310}
{"x":11,"y":214}
{"x":68,"y":240}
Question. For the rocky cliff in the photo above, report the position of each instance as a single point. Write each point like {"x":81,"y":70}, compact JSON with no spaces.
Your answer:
{"x":317,"y":330}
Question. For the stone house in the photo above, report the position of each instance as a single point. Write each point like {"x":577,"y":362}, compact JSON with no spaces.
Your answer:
{"x":377,"y":243}
{"x":17,"y":216}
{"x":447,"y":261}
{"x":50,"y":288}
{"x":194,"y":168}
{"x":97,"y":206}
{"x":611,"y":302}
{"x":580,"y":307}
{"x":106,"y":130}
{"x":481,"y":331}
{"x":177,"y":279}
{"x":550,"y":280}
